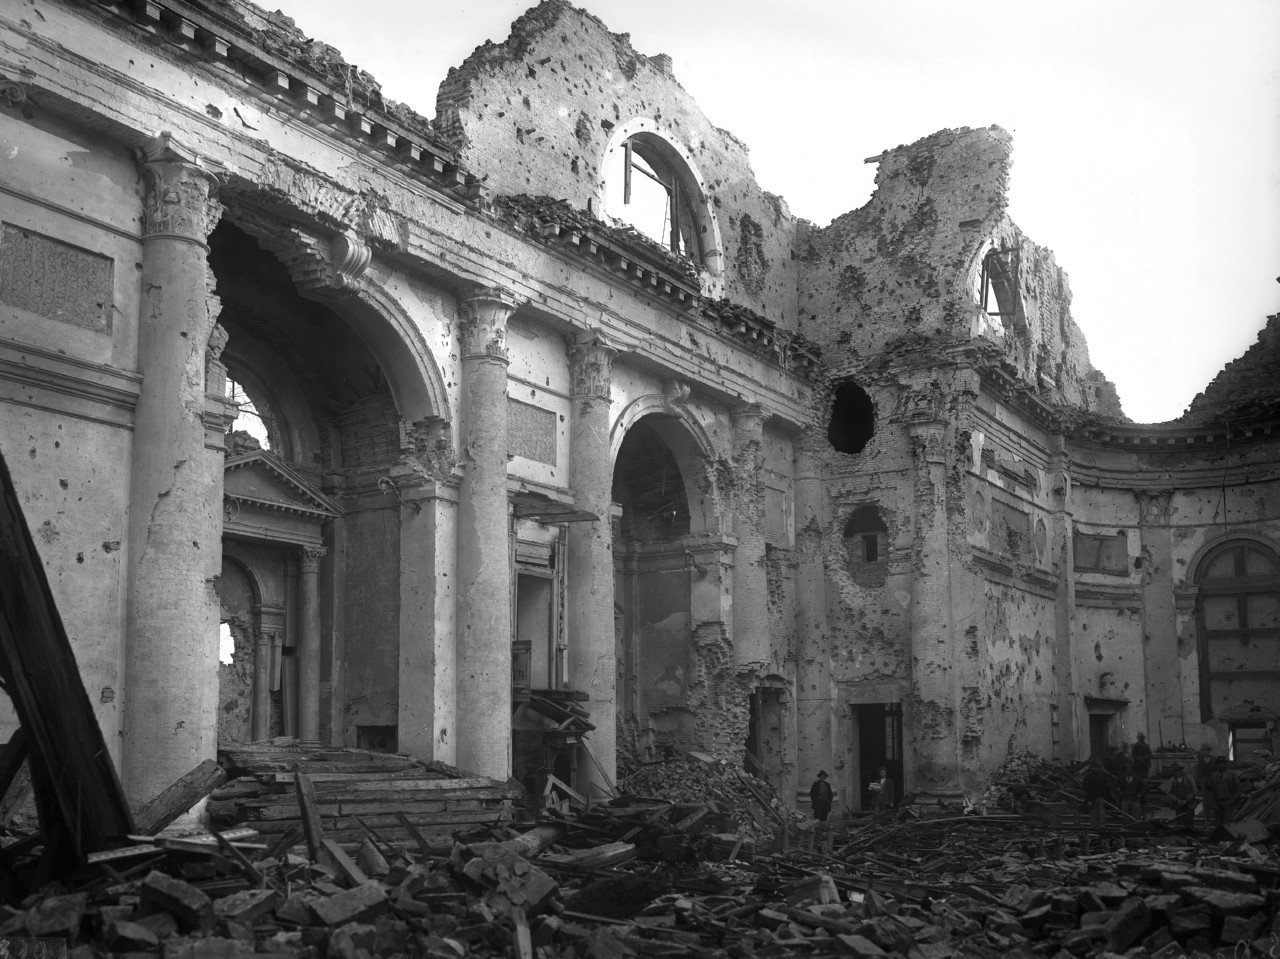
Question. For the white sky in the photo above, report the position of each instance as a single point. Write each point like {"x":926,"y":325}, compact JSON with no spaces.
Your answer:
{"x":1146,"y":132}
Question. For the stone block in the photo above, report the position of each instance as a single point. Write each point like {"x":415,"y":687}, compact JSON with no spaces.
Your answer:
{"x":859,"y":946}
{"x":1224,"y":902}
{"x":57,"y":916}
{"x":364,"y":903}
{"x":124,"y":936}
{"x":1241,"y":928}
{"x":188,"y":947}
{"x":296,"y":910}
{"x":1128,"y":925}
{"x":1189,"y":922}
{"x":349,"y":941}
{"x":246,"y":907}
{"x":191,"y":907}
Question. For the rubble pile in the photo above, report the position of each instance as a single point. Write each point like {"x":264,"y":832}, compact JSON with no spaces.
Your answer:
{"x":751,"y":806}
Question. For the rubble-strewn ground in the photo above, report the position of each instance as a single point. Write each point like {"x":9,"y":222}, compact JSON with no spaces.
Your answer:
{"x":695,"y":859}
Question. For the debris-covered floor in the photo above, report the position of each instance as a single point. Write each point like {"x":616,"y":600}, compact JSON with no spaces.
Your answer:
{"x":353,"y":854}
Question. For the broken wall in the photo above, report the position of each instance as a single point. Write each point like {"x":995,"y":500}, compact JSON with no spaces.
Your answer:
{"x":535,"y":113}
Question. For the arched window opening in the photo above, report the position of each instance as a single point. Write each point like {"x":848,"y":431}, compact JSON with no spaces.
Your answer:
{"x":1239,"y":612}
{"x":866,"y":545}
{"x":853,"y":419}
{"x":252,"y":418}
{"x":998,"y":285}
{"x":648,"y":483}
{"x":647,"y":187}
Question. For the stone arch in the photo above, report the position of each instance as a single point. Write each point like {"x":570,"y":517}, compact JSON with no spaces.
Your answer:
{"x":397,"y":341}
{"x":681,"y":160}
{"x":689,"y":443}
{"x":1196,"y":566}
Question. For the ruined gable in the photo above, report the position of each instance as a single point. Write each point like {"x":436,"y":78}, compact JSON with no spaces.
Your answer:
{"x":536,"y":113}
{"x":906,"y":272}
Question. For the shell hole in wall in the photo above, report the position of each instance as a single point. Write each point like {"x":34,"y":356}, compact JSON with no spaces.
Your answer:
{"x":853,"y":419}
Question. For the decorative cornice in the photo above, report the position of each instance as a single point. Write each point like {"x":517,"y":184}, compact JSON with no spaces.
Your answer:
{"x":266,"y":462}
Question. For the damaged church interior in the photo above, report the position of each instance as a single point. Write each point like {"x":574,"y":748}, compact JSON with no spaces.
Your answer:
{"x":536,"y":439}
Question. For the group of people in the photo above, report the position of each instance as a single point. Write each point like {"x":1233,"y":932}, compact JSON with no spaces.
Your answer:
{"x":882,"y":795}
{"x":1113,"y":778}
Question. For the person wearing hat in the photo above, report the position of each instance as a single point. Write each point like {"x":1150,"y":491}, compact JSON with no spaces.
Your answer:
{"x":820,"y":796}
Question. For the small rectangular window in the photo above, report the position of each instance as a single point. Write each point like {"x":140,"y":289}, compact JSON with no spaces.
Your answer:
{"x":871,"y":548}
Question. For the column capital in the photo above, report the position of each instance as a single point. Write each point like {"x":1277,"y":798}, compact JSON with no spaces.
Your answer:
{"x":310,"y":558}
{"x":748,"y":422}
{"x":484,"y":313}
{"x":177,"y":202}
{"x":591,"y":355}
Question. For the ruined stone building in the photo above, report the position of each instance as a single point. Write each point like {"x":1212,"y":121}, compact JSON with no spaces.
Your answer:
{"x":540,"y":424}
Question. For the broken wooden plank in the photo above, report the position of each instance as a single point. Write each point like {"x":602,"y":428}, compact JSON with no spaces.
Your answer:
{"x":311,"y":826}
{"x":179,"y":797}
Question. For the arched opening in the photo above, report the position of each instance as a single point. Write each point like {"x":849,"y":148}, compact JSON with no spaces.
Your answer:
{"x":1238,"y":608}
{"x":646,"y":186}
{"x":328,"y":400}
{"x":853,"y":419}
{"x":998,"y":288}
{"x":652,"y":592}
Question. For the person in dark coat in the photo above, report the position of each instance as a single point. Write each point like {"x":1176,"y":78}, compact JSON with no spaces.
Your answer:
{"x":1140,"y":755}
{"x":820,"y":796}
{"x":1132,"y":792}
{"x":882,"y":795}
{"x":1220,"y":795}
{"x":1096,"y":785}
{"x":1185,"y":795}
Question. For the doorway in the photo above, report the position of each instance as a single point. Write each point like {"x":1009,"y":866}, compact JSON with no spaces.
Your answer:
{"x":877,"y":736}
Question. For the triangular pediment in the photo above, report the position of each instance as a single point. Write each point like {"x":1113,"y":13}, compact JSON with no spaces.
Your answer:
{"x":258,"y":479}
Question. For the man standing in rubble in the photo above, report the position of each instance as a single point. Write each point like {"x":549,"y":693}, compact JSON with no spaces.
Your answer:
{"x":820,"y":796}
{"x":1185,"y":794}
{"x":882,"y":797}
{"x":1220,"y":794}
{"x":1140,"y":756}
{"x":1096,"y":786}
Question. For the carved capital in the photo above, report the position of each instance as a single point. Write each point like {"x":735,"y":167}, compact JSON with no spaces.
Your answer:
{"x":748,"y":423}
{"x":12,"y":93}
{"x":177,"y":200}
{"x":1155,"y":507}
{"x":310,"y":557}
{"x":590,"y":364}
{"x":485,"y":311}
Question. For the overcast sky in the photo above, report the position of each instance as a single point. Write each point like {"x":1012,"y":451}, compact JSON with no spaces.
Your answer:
{"x":1146,"y":132}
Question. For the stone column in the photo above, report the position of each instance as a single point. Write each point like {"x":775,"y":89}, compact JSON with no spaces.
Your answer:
{"x":175,"y":509}
{"x":261,"y":684}
{"x":815,"y":717}
{"x":932,"y":717}
{"x":592,"y":654}
{"x":484,"y":560}
{"x":308,"y":651}
{"x":750,"y":580}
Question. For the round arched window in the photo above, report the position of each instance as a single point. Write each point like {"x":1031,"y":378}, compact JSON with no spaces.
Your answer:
{"x":1239,"y":611}
{"x":252,"y":418}
{"x":649,"y":186}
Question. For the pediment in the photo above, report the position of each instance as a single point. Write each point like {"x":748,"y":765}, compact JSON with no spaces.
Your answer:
{"x":260,"y":480}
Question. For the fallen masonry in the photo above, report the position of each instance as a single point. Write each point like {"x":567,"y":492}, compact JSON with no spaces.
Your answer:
{"x":659,"y":873}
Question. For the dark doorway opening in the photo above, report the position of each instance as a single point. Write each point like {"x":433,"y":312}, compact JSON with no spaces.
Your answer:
{"x":1099,"y":733}
{"x":878,"y":733}
{"x":765,"y":748}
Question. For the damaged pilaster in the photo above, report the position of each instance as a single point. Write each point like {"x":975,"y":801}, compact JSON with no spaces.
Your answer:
{"x":750,"y":580}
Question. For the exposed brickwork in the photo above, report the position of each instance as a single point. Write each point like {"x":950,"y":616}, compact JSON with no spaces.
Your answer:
{"x":502,"y":111}
{"x":1247,"y":389}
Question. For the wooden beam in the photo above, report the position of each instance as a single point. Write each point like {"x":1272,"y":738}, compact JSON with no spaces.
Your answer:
{"x":77,"y":788}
